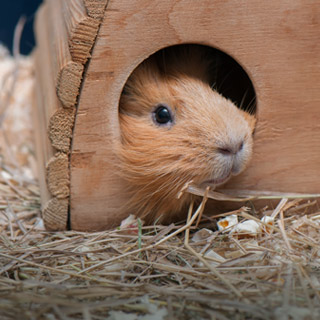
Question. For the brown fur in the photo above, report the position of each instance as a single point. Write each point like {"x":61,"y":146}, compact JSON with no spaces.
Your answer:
{"x":156,"y":160}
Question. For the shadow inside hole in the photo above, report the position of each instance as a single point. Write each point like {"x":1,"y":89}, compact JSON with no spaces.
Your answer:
{"x":231,"y":80}
{"x":226,"y":77}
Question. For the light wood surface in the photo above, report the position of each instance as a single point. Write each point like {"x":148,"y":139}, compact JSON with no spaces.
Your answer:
{"x":68,"y":73}
{"x":47,"y":107}
{"x":277,"y":43}
{"x":65,"y":36}
{"x":82,"y":29}
{"x":46,"y":101}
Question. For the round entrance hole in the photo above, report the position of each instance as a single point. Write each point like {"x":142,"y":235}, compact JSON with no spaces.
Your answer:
{"x":176,"y":127}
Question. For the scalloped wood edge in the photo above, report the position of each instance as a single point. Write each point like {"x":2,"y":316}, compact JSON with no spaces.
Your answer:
{"x":60,"y":129}
{"x":96,"y":8}
{"x":65,"y":32}
{"x":54,"y":214}
{"x":58,"y":176}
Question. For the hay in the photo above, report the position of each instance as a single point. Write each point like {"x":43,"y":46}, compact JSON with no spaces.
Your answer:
{"x":147,"y":272}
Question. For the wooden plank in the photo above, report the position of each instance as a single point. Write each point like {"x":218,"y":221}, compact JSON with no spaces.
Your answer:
{"x":96,"y":8}
{"x":277,"y":43}
{"x":82,"y":29}
{"x":67,"y":73}
{"x":53,"y":61}
{"x":43,"y":150}
{"x":46,"y":103}
{"x":65,"y":36}
{"x":44,"y":55}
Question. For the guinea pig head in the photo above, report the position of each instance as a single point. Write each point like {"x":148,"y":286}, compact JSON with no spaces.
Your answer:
{"x":176,"y":129}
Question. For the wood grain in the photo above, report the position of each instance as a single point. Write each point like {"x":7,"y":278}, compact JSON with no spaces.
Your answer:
{"x":58,"y":175}
{"x":46,"y":108}
{"x":96,"y":8}
{"x":54,"y":216}
{"x":277,"y":43}
{"x":67,"y":73}
{"x":82,"y":29}
{"x":65,"y":36}
{"x":60,"y":129}
{"x":46,"y":100}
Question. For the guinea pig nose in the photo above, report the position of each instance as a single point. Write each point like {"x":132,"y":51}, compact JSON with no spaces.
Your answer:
{"x":240,"y":146}
{"x":227,"y":151}
{"x":231,"y":149}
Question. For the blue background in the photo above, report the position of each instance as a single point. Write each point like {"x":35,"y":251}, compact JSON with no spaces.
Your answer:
{"x":10,"y":12}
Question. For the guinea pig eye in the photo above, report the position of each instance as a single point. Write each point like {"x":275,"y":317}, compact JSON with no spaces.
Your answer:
{"x":162,"y":115}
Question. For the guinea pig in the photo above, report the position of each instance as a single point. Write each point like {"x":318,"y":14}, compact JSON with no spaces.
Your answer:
{"x":175,"y":129}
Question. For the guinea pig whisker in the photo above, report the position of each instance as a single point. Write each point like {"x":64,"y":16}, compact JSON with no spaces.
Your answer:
{"x":220,"y":85}
{"x":251,"y":105}
{"x":243,"y":99}
{"x":213,"y":85}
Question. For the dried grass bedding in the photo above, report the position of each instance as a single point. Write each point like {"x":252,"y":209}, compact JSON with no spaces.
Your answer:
{"x":269,"y":271}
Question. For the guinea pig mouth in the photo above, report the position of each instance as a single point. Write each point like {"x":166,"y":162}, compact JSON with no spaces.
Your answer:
{"x":218,"y":181}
